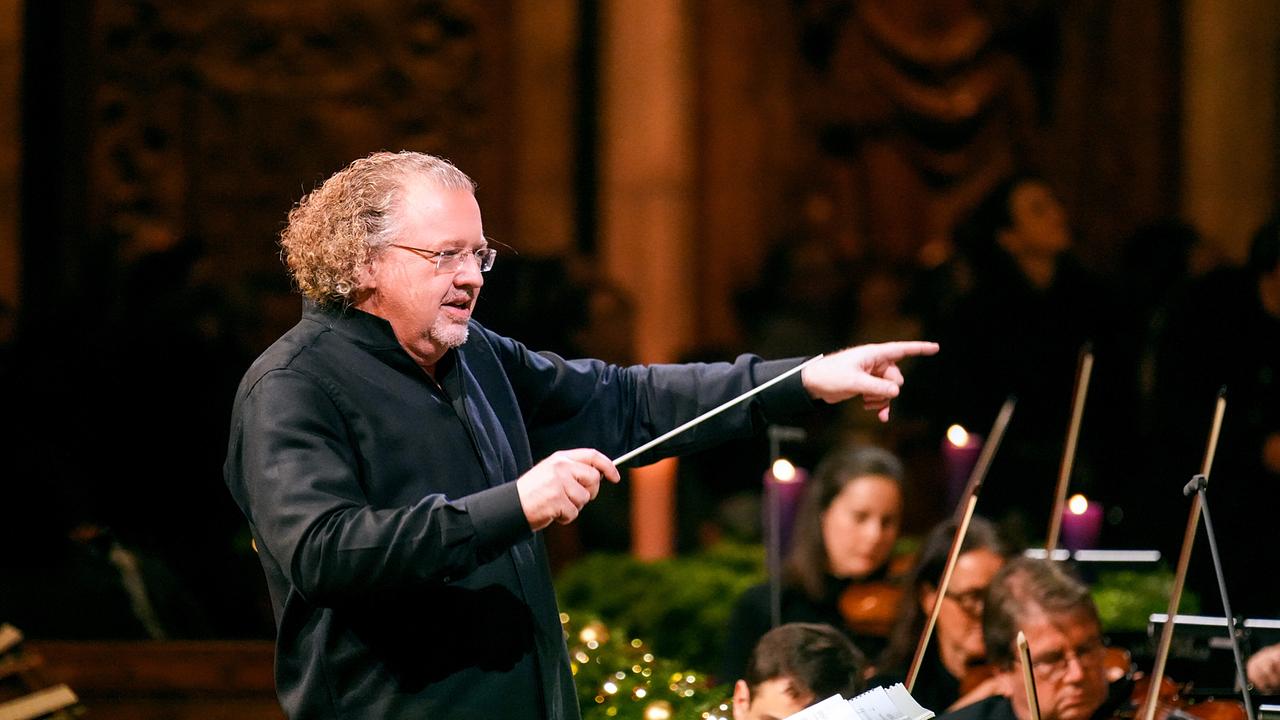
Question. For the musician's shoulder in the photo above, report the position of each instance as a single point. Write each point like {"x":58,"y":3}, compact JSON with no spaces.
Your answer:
{"x":996,"y":707}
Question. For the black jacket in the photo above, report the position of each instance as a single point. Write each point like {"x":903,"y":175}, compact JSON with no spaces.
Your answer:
{"x":403,"y":574}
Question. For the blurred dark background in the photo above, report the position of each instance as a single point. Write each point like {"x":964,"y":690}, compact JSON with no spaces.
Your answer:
{"x":675,"y":180}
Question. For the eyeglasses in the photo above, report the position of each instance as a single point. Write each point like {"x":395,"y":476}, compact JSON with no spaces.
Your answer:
{"x":1054,"y":664}
{"x":970,"y":601}
{"x":451,"y":260}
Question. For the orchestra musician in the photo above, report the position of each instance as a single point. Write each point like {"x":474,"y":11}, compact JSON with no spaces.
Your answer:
{"x":845,"y":528}
{"x":792,"y":667}
{"x":957,"y":651}
{"x":1060,"y":621}
{"x":1263,"y":669}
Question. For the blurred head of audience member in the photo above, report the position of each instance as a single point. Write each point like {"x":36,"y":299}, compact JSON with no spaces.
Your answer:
{"x":1023,"y":218}
{"x":1264,"y":264}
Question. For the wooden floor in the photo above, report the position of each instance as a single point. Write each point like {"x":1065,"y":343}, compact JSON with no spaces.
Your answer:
{"x":165,"y":680}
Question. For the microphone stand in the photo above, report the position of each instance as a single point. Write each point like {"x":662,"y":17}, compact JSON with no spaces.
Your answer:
{"x":1199,"y":485}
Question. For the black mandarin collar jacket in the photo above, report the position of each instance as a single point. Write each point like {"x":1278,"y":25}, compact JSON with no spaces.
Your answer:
{"x":403,"y":575}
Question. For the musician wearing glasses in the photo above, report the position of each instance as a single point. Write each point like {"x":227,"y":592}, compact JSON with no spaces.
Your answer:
{"x":950,"y":675}
{"x":396,"y":460}
{"x":1060,"y":621}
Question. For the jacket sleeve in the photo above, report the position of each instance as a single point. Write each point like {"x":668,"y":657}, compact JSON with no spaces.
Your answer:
{"x":293,"y":469}
{"x":587,"y":403}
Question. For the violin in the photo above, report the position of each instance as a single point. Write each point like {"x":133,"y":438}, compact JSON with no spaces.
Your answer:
{"x":870,"y":608}
{"x":1170,"y":703}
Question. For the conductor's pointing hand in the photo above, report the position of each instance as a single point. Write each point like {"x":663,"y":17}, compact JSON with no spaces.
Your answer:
{"x":867,"y":370}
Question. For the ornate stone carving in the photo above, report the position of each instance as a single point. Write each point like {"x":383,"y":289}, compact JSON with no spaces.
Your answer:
{"x":210,"y":119}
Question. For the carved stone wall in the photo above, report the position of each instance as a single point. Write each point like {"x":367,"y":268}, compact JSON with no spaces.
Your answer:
{"x":155,"y":276}
{"x":921,"y":109}
{"x":872,"y":125}
{"x":210,"y":119}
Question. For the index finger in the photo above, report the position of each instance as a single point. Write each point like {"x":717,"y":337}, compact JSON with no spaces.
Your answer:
{"x":897,"y":350}
{"x":597,"y":460}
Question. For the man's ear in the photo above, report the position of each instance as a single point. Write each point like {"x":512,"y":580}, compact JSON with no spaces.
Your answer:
{"x":366,"y":284}
{"x":741,"y":700}
{"x":1009,"y":683}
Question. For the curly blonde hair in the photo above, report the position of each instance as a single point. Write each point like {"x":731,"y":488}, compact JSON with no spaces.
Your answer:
{"x":340,"y":227}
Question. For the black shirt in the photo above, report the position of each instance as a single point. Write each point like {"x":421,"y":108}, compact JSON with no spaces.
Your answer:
{"x":403,"y":575}
{"x":999,"y":707}
{"x":935,"y":687}
{"x":751,"y":619}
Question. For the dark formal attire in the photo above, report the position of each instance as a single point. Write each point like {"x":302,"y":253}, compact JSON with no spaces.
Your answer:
{"x":404,"y":577}
{"x":935,"y":688}
{"x":752,"y":618}
{"x":1221,"y":335}
{"x":999,"y":707}
{"x":1009,"y":337}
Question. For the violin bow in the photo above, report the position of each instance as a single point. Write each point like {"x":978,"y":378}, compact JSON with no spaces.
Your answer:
{"x":1084,"y":370}
{"x":965,"y":514}
{"x":714,"y":411}
{"x":1028,"y":680}
{"x":1184,"y":560}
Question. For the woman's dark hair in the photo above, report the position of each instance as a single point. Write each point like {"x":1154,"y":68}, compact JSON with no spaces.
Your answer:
{"x":807,"y":564}
{"x":925,"y":575}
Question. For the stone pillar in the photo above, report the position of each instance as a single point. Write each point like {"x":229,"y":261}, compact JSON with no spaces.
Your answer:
{"x":545,"y":36}
{"x":10,"y":161}
{"x":647,"y":204}
{"x":1231,"y":70}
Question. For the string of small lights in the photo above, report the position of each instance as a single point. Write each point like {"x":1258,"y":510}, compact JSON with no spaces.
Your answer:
{"x":619,"y":678}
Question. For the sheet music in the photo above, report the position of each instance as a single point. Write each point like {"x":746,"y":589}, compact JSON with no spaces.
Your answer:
{"x":892,"y":703}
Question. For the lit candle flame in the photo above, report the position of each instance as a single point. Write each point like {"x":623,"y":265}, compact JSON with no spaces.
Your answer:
{"x":957,"y":436}
{"x":1078,"y":504}
{"x":783,"y":470}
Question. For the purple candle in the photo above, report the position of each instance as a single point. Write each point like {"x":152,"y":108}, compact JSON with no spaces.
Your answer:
{"x":960,"y":450}
{"x":783,"y":486}
{"x":1081,"y":524}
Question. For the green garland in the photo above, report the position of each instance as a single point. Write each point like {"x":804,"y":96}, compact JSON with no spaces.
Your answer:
{"x":621,"y":679}
{"x":682,"y":605}
{"x":1127,"y":598}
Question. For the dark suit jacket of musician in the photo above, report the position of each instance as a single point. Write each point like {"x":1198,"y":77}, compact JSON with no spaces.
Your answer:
{"x":403,"y":574}
{"x":999,"y":707}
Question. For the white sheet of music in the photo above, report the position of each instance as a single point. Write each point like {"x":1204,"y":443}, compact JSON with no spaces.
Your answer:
{"x":892,"y":703}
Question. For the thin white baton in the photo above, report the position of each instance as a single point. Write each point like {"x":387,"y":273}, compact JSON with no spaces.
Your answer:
{"x":713,"y":412}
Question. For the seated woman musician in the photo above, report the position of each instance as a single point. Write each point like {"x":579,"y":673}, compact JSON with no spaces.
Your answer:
{"x":845,"y":529}
{"x":956,"y":651}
